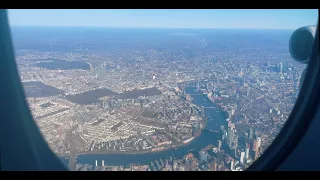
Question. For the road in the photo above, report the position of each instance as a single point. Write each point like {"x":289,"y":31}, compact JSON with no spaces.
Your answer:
{"x":73,"y":160}
{"x":127,"y":123}
{"x":73,"y":151}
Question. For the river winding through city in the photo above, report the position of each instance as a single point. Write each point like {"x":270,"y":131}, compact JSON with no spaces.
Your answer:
{"x":216,"y":118}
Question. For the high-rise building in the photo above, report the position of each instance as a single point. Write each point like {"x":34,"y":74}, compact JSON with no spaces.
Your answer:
{"x":235,"y":152}
{"x":281,"y":67}
{"x":202,"y":111}
{"x":222,"y":133}
{"x":214,"y":165}
{"x":235,"y":141}
{"x":232,"y":165}
{"x":102,"y":163}
{"x":247,"y":153}
{"x":250,"y":133}
{"x":219,"y":144}
{"x":242,"y":156}
{"x":256,"y":144}
{"x":231,"y":134}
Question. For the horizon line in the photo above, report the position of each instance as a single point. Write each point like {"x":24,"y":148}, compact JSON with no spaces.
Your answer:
{"x":135,"y":27}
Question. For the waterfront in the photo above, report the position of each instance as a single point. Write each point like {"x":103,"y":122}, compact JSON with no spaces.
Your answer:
{"x":216,"y":118}
{"x":39,"y":89}
{"x":92,"y":96}
{"x":63,"y":65}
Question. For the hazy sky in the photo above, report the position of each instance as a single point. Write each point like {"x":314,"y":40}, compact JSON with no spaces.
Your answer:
{"x":261,"y":19}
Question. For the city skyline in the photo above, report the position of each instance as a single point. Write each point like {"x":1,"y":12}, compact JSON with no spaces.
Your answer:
{"x":157,"y":100}
{"x":160,"y":18}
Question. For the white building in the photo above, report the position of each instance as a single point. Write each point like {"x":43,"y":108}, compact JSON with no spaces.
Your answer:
{"x":242,"y":156}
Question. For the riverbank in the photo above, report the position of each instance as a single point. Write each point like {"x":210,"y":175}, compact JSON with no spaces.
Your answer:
{"x":132,"y":152}
{"x":117,"y":159}
{"x":158,"y":149}
{"x":215,"y":118}
{"x":184,"y":143}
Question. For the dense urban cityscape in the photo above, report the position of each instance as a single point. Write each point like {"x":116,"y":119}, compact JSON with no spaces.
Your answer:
{"x":157,"y":100}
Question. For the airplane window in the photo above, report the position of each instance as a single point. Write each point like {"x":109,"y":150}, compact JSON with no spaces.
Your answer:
{"x":160,"y":90}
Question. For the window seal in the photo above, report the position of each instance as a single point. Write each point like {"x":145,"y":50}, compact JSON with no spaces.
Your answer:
{"x":299,"y":120}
